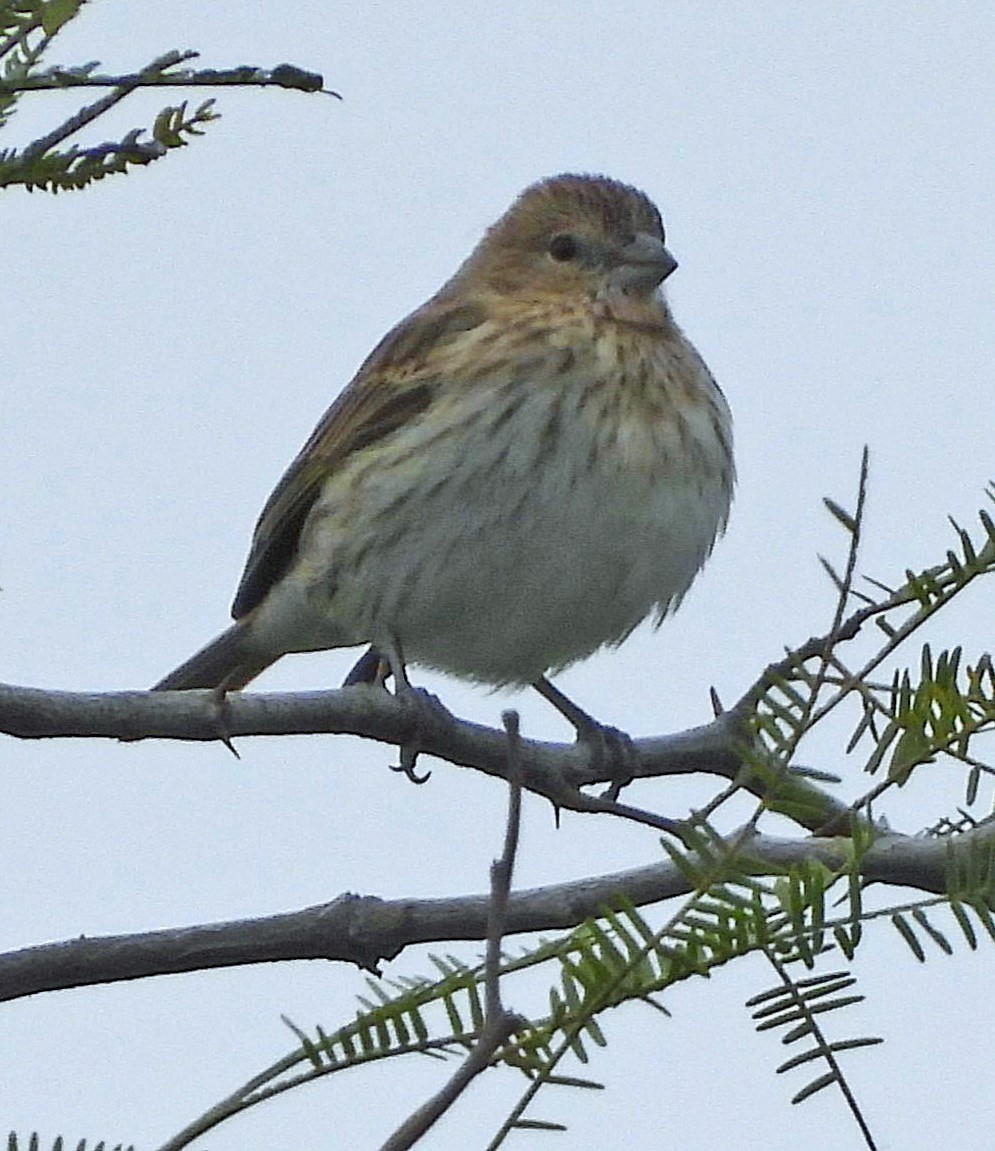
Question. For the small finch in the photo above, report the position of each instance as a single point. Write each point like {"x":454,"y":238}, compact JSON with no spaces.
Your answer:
{"x":523,"y":470}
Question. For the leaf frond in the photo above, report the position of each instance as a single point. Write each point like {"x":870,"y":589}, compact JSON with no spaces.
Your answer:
{"x":797,"y":1005}
{"x":34,"y":1143}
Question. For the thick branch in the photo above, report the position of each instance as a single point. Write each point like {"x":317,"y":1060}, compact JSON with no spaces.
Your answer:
{"x":552,"y":770}
{"x":365,"y":930}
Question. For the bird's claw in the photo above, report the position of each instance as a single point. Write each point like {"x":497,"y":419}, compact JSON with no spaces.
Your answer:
{"x":423,"y":707}
{"x":612,"y":751}
{"x":409,"y":757}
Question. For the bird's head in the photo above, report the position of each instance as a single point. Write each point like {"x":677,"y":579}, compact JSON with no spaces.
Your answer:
{"x":576,"y":236}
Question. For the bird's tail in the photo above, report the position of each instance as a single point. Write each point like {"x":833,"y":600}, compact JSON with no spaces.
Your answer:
{"x":225,"y":663}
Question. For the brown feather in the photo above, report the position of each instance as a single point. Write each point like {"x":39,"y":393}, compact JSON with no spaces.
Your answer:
{"x":389,"y":390}
{"x":223,"y":663}
{"x":516,"y":315}
{"x":397,"y":381}
{"x":511,"y":258}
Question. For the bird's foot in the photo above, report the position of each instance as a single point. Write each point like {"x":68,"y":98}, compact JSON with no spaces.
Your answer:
{"x":425,"y":711}
{"x":371,"y":667}
{"x":375,"y":666}
{"x":612,"y":751}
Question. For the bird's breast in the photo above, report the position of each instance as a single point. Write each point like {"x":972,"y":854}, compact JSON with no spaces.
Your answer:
{"x":539,"y":513}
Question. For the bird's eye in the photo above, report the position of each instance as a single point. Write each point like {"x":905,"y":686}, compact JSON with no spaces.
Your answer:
{"x":563,"y":247}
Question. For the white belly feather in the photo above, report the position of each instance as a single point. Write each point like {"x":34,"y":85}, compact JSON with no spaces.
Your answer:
{"x":510,"y":552}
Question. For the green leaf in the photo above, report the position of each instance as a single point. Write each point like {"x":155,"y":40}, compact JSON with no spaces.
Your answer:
{"x":906,"y":932}
{"x":912,"y":749}
{"x":58,"y":13}
{"x":840,"y":514}
{"x":814,"y":1086}
{"x":964,"y":923}
{"x":934,"y":933}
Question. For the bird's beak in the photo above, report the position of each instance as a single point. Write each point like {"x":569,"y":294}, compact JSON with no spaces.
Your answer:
{"x":648,"y":252}
{"x":644,"y":264}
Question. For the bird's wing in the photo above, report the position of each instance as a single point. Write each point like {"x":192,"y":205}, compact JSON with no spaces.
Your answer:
{"x":394,"y":385}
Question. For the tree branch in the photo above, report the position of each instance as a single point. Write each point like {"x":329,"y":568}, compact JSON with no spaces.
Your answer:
{"x":555,"y":771}
{"x":154,"y":76}
{"x":93,"y":111}
{"x":365,"y":930}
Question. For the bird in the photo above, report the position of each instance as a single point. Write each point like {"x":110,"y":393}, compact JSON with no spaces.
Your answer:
{"x":528,"y":466}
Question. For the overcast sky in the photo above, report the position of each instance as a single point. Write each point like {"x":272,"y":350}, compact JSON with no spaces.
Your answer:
{"x":825,"y":173}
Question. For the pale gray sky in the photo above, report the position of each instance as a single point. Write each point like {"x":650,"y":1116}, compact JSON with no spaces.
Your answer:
{"x":825,"y":173}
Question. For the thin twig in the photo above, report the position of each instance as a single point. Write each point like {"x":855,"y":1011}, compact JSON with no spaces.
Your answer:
{"x":503,"y":868}
{"x":92,"y":111}
{"x":244,"y":76}
{"x":499,"y":1023}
